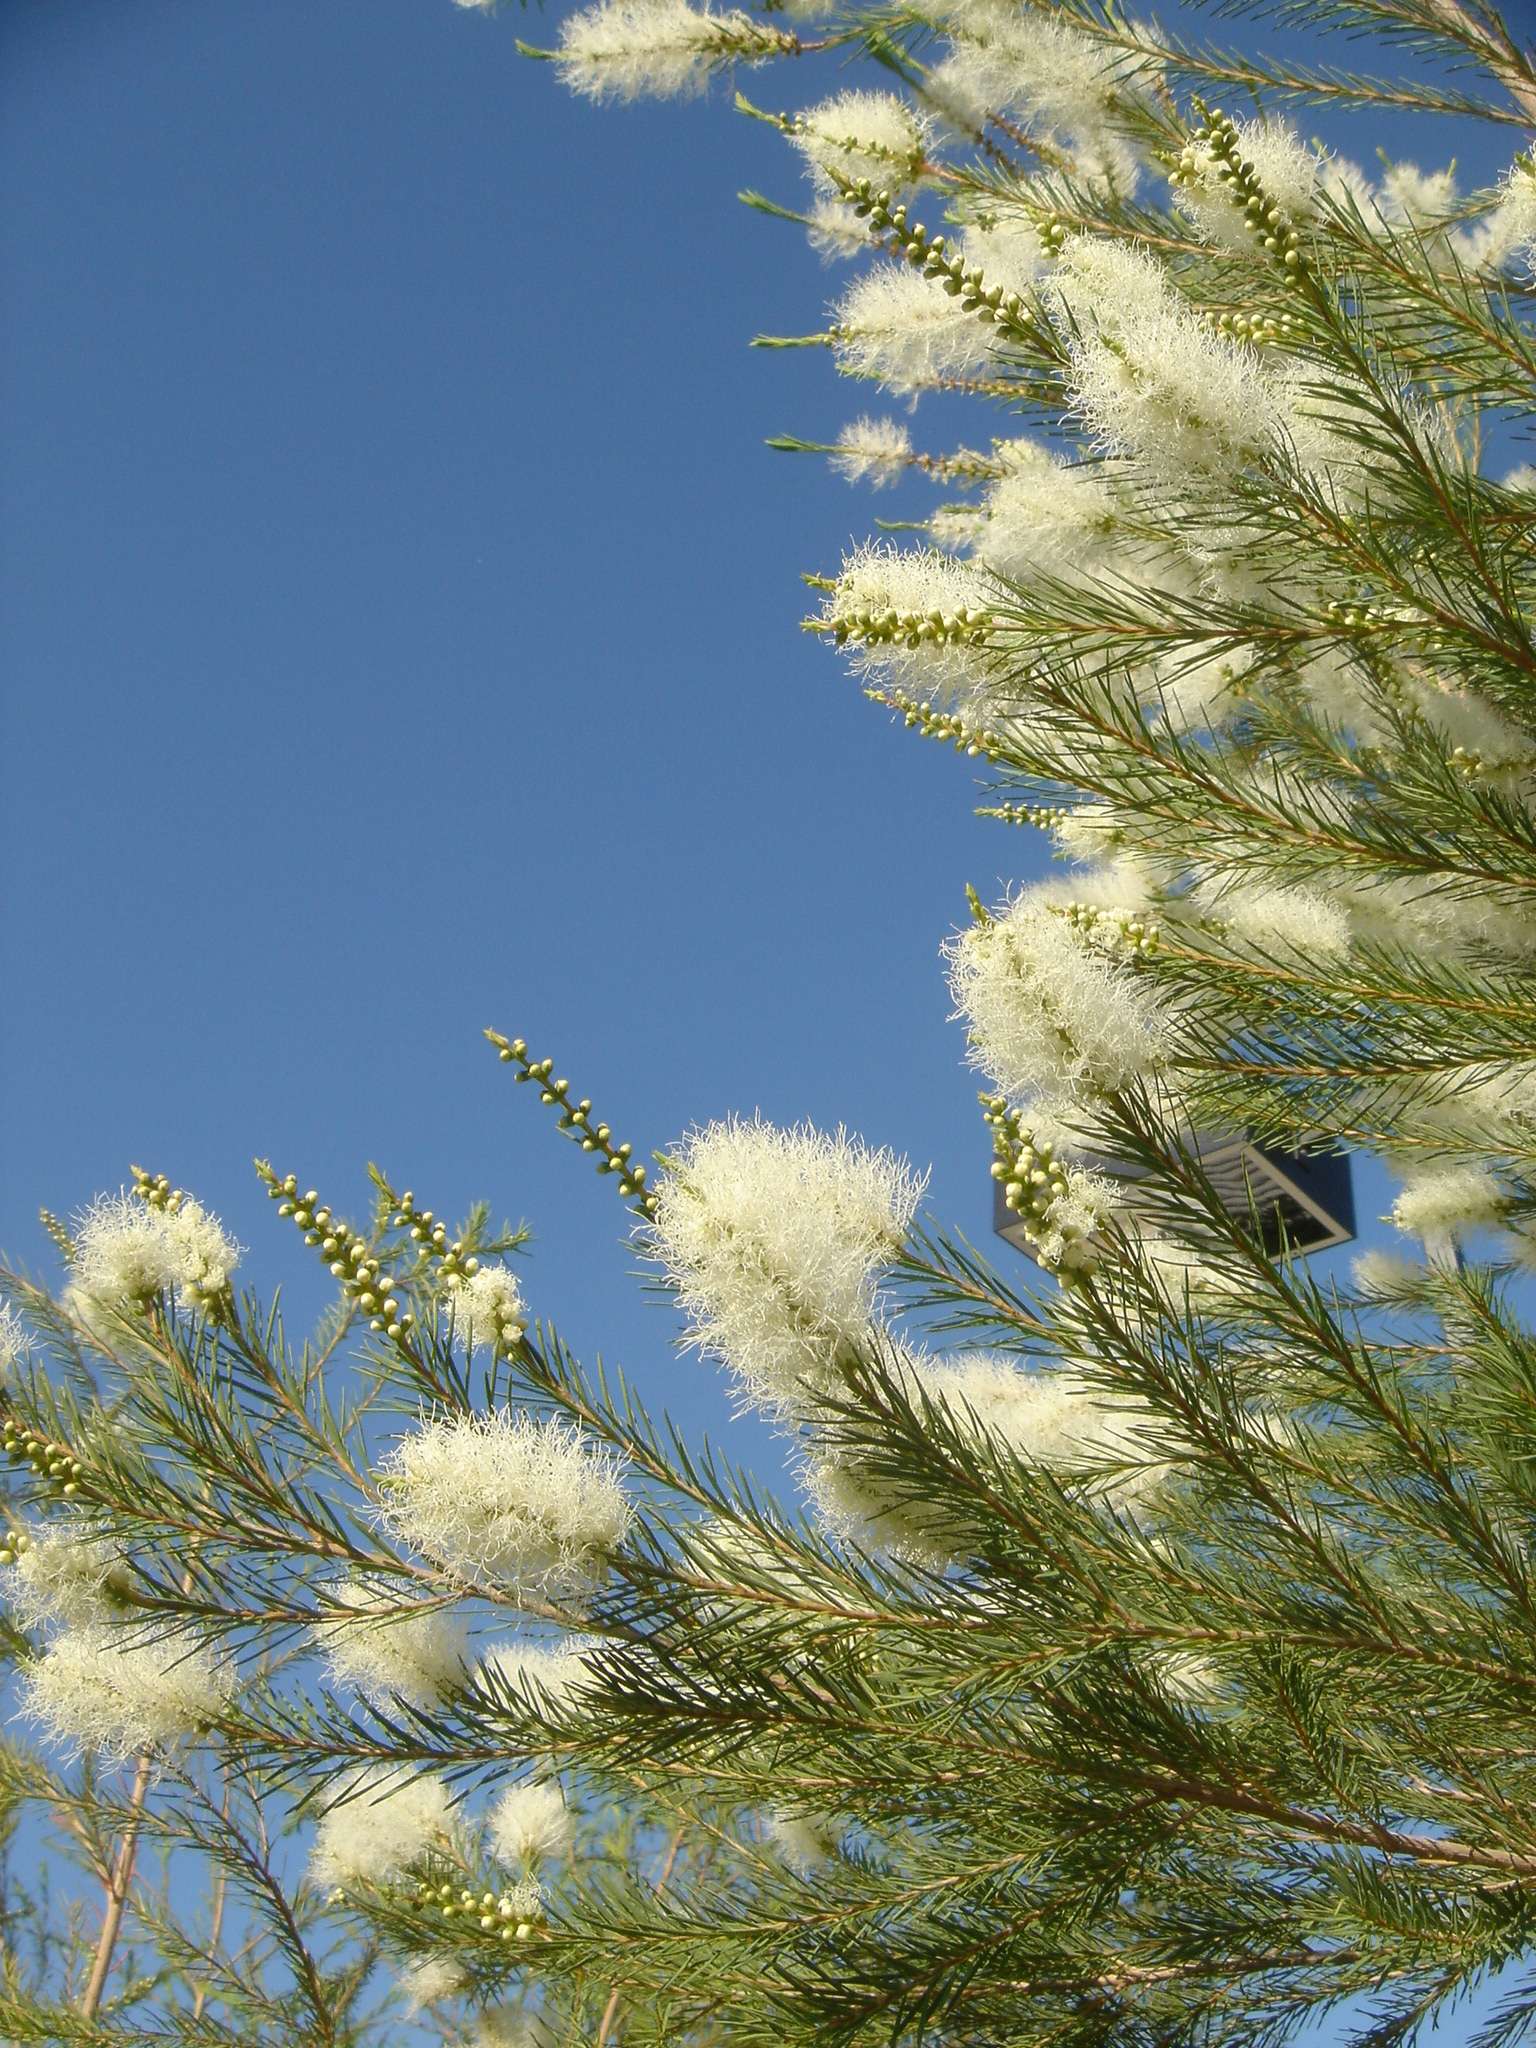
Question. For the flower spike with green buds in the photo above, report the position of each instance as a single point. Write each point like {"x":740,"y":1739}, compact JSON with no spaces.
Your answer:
{"x":575,"y":1120}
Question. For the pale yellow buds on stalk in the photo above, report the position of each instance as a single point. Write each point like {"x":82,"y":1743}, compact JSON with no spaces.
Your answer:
{"x":52,"y":1461}
{"x":512,"y":1916}
{"x":350,"y":1256}
{"x":1215,"y":152}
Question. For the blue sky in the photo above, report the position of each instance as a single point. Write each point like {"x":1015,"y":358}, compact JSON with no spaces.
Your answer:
{"x":399,"y":620}
{"x":399,"y":615}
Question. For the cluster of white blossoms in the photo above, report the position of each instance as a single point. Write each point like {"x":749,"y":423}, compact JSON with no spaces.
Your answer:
{"x":126,"y":1251}
{"x":553,"y":1675}
{"x":1440,"y":1204}
{"x":876,"y":451}
{"x":772,"y":1239}
{"x":372,"y":1645}
{"x":1044,"y":516}
{"x":13,"y":1338}
{"x":66,"y":1571}
{"x":430,"y":1979}
{"x":1289,"y":174}
{"x":1038,"y":70}
{"x":1055,"y":1418}
{"x":805,"y":1841}
{"x":1274,"y":920}
{"x":110,"y":1689}
{"x":531,"y":1823}
{"x":628,"y":49}
{"x":486,"y":1307}
{"x":914,"y":620}
{"x":530,"y":1504}
{"x":382,"y":1823}
{"x":895,"y":327}
{"x":1148,"y":376}
{"x":1052,"y":1013}
{"x":856,"y":135}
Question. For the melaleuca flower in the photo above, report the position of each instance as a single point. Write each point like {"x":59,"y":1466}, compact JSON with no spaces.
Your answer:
{"x":531,"y":1823}
{"x":385,"y":1822}
{"x":1051,"y":1012}
{"x":510,"y":2026}
{"x":1411,"y":198}
{"x":834,"y":230}
{"x":875,"y":449}
{"x":1150,"y":377}
{"x":772,"y":1239}
{"x":805,"y":1841}
{"x":902,"y":330}
{"x":627,"y":49}
{"x":69,"y":1571}
{"x":1042,"y":72}
{"x":487,"y":1307}
{"x":1281,"y":920}
{"x":1508,"y":232}
{"x":856,"y":135}
{"x":1441,"y":1203}
{"x":1387,"y":1278}
{"x":914,"y":619}
{"x":380,"y":1650}
{"x":1055,"y":1417}
{"x":1046,"y":516}
{"x":126,"y":1251}
{"x":531,"y":1504}
{"x":13,"y":1339}
{"x":110,"y":1689}
{"x":432,"y":1978}
{"x":1100,"y":1441}
{"x":555,"y":1674}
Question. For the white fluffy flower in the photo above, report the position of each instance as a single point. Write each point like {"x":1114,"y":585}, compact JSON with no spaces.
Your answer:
{"x":110,"y":1689}
{"x":805,"y":1841}
{"x":913,"y":618}
{"x":556,"y":1674}
{"x":834,"y":230}
{"x":1048,"y":1012}
{"x":626,"y":49}
{"x":487,"y":1307}
{"x":507,"y":2026}
{"x":772,"y":1239}
{"x":877,"y":449}
{"x":531,"y":1822}
{"x":378,"y":1649}
{"x":1149,"y":376}
{"x":1384,"y":1276}
{"x":1061,"y":83}
{"x":870,"y":135}
{"x":1419,"y":199}
{"x":1045,"y":516}
{"x":1285,"y":920}
{"x":13,"y":1339}
{"x":1438,"y":1203}
{"x":65,"y":1571}
{"x":508,"y":1499}
{"x":432,"y":1978}
{"x":385,"y":1823}
{"x":1048,"y":1417}
{"x":126,"y":1251}
{"x":1056,"y":1418}
{"x":901,"y":329}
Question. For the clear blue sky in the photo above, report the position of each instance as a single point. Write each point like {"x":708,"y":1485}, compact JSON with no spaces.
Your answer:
{"x":398,"y":614}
